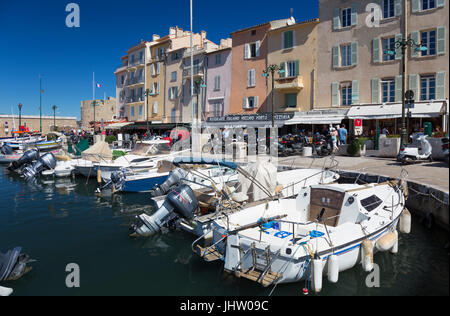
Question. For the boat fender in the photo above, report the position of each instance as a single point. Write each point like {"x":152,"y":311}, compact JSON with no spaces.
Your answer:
{"x":405,"y":222}
{"x":317,"y":274}
{"x":394,"y":248}
{"x":333,"y":268}
{"x":367,"y":255}
{"x":386,"y":242}
{"x":5,"y":291}
{"x":99,"y":176}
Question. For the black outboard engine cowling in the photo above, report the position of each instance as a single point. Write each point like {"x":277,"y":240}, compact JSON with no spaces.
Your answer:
{"x":6,"y":150}
{"x":28,"y":157}
{"x":174,"y":178}
{"x":180,"y":202}
{"x":13,"y":264}
{"x":46,"y":162}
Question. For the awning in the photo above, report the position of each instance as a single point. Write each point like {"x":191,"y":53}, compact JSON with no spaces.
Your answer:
{"x":389,"y":111}
{"x":118,"y":125}
{"x":319,"y":117}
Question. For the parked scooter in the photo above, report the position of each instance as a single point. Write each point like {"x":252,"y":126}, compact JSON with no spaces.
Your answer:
{"x":445,"y":149}
{"x":419,"y":150}
{"x":322,"y":145}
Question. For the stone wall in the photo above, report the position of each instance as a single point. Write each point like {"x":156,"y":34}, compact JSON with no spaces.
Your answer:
{"x":33,"y":123}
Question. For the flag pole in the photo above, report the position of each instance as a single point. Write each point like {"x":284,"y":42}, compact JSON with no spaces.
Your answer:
{"x":40,"y":104}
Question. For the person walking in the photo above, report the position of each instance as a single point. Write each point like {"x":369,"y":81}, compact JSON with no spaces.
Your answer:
{"x":343,"y":135}
{"x":333,"y":134}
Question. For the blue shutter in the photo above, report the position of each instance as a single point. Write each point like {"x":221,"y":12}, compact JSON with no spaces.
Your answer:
{"x":336,"y":19}
{"x":354,"y":13}
{"x":441,"y":45}
{"x":415,"y":38}
{"x":398,"y":6}
{"x":398,"y":51}
{"x":415,"y":7}
{"x":354,"y":53}
{"x":440,"y":3}
{"x":355,"y":92}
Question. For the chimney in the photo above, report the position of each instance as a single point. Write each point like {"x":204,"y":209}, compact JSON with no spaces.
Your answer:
{"x":155,"y":37}
{"x":172,"y":31}
{"x":179,"y":32}
{"x":203,"y":36}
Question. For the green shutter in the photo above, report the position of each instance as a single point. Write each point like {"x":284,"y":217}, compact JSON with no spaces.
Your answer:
{"x":354,"y":53}
{"x":414,"y":85}
{"x":297,"y":67}
{"x":440,"y":3}
{"x":398,"y":51}
{"x":441,"y":45}
{"x":375,"y":91}
{"x":398,"y":88}
{"x":355,"y":92}
{"x":291,"y":99}
{"x":415,"y":38}
{"x":440,"y":85}
{"x":283,"y":67}
{"x":335,"y":94}
{"x":336,"y":19}
{"x":415,"y":6}
{"x":335,"y":56}
{"x":398,"y":7}
{"x":354,"y":13}
{"x":376,"y":50}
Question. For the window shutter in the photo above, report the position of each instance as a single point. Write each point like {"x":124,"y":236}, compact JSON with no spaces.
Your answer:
{"x":376,"y":50}
{"x":297,"y":67}
{"x":336,"y":19}
{"x":354,"y":53}
{"x":246,"y":51}
{"x":283,"y":67}
{"x":170,"y":93}
{"x":355,"y":92}
{"x":441,"y":37}
{"x":440,"y":3}
{"x":155,"y":107}
{"x":335,"y":56}
{"x":176,"y":92}
{"x":440,"y":85}
{"x":153,"y":69}
{"x":375,"y":90}
{"x":334,"y":94}
{"x":218,"y":82}
{"x":398,"y":8}
{"x":157,"y":88}
{"x":398,"y":51}
{"x":244,"y":103}
{"x":354,"y":13}
{"x":415,"y":6}
{"x":249,"y":79}
{"x":258,"y":44}
{"x":256,"y":104}
{"x":398,"y":88}
{"x":414,"y":85}
{"x":415,"y":38}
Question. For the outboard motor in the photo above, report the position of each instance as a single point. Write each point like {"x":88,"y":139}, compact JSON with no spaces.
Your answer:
{"x":180,"y":202}
{"x":27,"y":158}
{"x":6,"y":150}
{"x":13,"y":264}
{"x":174,"y":178}
{"x":46,"y":162}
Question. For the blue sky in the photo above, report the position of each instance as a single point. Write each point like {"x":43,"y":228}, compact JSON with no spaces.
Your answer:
{"x":35,"y":40}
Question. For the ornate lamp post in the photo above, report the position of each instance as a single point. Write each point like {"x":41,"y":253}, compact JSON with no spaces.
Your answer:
{"x":199,"y":83}
{"x":271,"y":69}
{"x":54,"y":117}
{"x":403,"y":44}
{"x":20,"y":115}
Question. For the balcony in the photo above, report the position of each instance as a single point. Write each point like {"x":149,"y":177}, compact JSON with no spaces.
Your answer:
{"x":289,"y":83}
{"x":134,"y":99}
{"x":136,"y":63}
{"x":134,"y":81}
{"x":198,"y":72}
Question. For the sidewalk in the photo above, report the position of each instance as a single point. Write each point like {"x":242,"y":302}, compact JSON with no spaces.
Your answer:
{"x":435,"y":174}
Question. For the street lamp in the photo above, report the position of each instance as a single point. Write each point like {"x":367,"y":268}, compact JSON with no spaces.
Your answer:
{"x":94,"y":104}
{"x":199,"y":83}
{"x":147,"y":93}
{"x":20,"y":115}
{"x":54,"y":117}
{"x":271,"y":69}
{"x":403,"y":44}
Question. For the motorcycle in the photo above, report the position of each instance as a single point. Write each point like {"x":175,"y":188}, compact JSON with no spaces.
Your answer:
{"x":445,"y":149}
{"x":419,"y":150}
{"x":322,"y":145}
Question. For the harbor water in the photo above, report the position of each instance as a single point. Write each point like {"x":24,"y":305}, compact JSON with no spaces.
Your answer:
{"x":62,"y":221}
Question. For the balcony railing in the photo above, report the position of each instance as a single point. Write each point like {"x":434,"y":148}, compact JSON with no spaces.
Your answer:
{"x":295,"y":83}
{"x":132,"y":81}
{"x":136,"y":63}
{"x":133,"y":99}
{"x":198,"y":71}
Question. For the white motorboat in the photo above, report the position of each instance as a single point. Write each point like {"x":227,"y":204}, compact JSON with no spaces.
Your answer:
{"x":326,"y":229}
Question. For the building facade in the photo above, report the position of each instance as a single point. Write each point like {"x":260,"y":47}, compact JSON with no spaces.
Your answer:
{"x":104,"y":110}
{"x":358,"y":63}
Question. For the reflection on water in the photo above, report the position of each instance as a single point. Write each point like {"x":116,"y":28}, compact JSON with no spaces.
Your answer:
{"x":60,"y":221}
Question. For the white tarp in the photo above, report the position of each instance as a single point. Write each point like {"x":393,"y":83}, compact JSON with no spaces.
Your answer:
{"x":98,"y":152}
{"x":388,"y":111}
{"x":263,"y":172}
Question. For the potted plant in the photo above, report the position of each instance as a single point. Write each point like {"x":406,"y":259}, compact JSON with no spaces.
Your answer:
{"x":356,"y":148}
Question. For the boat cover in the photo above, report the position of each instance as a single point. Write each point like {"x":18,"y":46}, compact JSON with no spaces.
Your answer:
{"x":263,"y":172}
{"x":98,"y":152}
